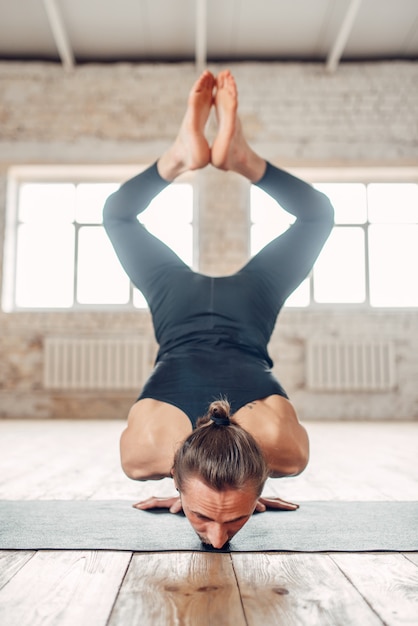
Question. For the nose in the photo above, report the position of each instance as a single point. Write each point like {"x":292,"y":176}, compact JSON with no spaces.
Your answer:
{"x":217,"y":535}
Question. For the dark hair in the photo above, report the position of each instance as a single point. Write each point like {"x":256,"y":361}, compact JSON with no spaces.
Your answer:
{"x":221,"y":453}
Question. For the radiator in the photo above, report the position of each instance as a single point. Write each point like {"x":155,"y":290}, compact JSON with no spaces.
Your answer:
{"x":98,"y":362}
{"x":350,"y":365}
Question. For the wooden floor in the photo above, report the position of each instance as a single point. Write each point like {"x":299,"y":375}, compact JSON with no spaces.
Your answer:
{"x":65,"y":459}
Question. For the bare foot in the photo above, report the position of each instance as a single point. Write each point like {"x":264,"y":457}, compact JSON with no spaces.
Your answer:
{"x":226,"y":104}
{"x":190,"y":150}
{"x":230,"y":150}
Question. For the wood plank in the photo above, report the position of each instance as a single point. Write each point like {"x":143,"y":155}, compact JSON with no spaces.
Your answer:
{"x":295,"y":589}
{"x":411,"y":556}
{"x":179,"y":588}
{"x":388,"y":582}
{"x":35,"y":463}
{"x":59,"y":462}
{"x":64,"y":588}
{"x":384,"y":452}
{"x":80,"y":459}
{"x":11,"y":562}
{"x":22,"y":444}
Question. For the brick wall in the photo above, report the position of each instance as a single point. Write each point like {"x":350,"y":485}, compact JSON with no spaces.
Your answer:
{"x":296,"y":115}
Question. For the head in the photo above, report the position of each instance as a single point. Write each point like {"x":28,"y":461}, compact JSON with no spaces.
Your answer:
{"x":220,"y":472}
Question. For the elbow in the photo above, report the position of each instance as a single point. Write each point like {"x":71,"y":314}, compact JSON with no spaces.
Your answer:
{"x":140,"y":472}
{"x":138,"y":461}
{"x":134,"y":472}
{"x":135,"y":468}
{"x":292,"y":464}
{"x":300,"y":464}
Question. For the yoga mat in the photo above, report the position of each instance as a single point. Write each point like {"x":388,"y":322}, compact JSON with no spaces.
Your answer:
{"x":115,"y":525}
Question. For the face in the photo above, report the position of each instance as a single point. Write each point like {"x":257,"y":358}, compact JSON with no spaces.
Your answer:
{"x":216,"y":516}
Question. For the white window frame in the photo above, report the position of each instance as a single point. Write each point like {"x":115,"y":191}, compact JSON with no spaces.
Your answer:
{"x":76,"y":174}
{"x":355,"y":174}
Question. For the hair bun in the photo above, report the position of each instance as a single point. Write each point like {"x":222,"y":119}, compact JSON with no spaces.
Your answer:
{"x":220,"y":421}
{"x":219,"y":413}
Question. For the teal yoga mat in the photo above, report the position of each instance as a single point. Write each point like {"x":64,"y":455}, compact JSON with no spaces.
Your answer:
{"x":115,"y":525}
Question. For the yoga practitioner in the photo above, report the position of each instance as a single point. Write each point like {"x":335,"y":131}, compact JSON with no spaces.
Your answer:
{"x":213,"y":333}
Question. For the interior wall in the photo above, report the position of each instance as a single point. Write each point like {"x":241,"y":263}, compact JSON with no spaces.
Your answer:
{"x":296,"y":115}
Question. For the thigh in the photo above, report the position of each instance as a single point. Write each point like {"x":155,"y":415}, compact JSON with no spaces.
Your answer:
{"x":285,"y":262}
{"x":149,"y":263}
{"x":154,"y":431}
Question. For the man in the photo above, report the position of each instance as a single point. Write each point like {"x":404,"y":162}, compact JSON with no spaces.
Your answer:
{"x":213,"y":332}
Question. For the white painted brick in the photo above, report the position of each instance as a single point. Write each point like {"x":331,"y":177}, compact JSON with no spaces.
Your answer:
{"x":295,"y":114}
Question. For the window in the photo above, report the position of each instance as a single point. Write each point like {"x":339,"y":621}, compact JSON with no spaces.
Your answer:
{"x":371,"y":255}
{"x":58,"y":255}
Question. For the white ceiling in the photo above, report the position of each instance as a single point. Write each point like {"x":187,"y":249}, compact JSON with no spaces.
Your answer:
{"x":329,"y":31}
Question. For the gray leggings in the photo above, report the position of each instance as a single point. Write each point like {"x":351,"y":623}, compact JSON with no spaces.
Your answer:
{"x":205,"y":325}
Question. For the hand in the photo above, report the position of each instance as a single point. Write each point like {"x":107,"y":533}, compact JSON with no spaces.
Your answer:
{"x":274,"y":503}
{"x":173,"y":504}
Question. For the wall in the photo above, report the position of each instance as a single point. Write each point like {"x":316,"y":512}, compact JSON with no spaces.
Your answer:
{"x":296,"y":115}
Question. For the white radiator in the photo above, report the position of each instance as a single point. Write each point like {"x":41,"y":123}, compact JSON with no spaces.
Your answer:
{"x":98,"y":362}
{"x":350,"y":365}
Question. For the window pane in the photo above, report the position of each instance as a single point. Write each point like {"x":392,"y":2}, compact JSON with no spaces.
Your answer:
{"x":169,"y":217}
{"x":51,"y":260}
{"x":266,"y":210}
{"x":348,"y":200}
{"x":396,"y":203}
{"x":301,"y":295}
{"x":46,"y":202}
{"x":174,"y":203}
{"x":339,"y":273}
{"x":100,"y":276}
{"x":262,"y":234}
{"x":90,"y":200}
{"x":45,"y":266}
{"x":178,"y":237}
{"x":139,"y":300}
{"x":393,"y":264}
{"x":269,"y":220}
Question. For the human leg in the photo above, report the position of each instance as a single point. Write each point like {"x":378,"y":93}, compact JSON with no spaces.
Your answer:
{"x":190,"y":150}
{"x":147,"y":261}
{"x":273,"y":274}
{"x":287,"y":260}
{"x":155,"y":428}
{"x":230,"y":150}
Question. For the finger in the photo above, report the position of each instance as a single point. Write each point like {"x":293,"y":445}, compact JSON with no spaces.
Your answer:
{"x":144,"y":505}
{"x":154,"y":503}
{"x":260,"y":507}
{"x":176,"y":507}
{"x":279,"y":504}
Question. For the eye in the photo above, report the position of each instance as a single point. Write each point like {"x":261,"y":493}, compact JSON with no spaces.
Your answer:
{"x":201,"y":517}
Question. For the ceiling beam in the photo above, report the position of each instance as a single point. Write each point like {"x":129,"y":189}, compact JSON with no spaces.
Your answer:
{"x":343,"y":34}
{"x":59,"y":33}
{"x":201,"y":35}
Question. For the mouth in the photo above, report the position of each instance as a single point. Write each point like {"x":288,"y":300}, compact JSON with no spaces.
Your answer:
{"x":208,"y":547}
